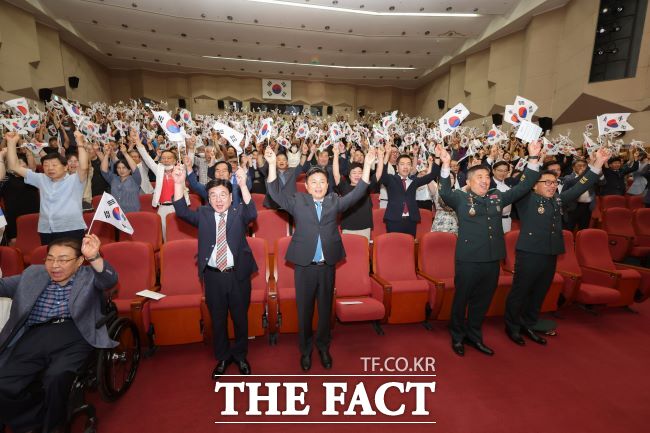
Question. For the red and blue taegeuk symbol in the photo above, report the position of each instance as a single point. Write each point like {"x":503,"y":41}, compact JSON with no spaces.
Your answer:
{"x":23,"y":110}
{"x":492,"y":133}
{"x":276,"y":88}
{"x":612,"y":123}
{"x":33,"y":123}
{"x":117,"y":214}
{"x":454,"y":121}
{"x":265,"y":129}
{"x":515,"y":119}
{"x":75,"y":110}
{"x":522,"y":112}
{"x":186,"y":116}
{"x":172,"y":126}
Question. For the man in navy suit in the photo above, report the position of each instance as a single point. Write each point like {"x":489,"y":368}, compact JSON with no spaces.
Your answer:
{"x":315,"y":249}
{"x":225,"y":261}
{"x":402,"y":213}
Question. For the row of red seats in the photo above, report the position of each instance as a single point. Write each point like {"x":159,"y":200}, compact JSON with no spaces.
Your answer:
{"x":628,"y":232}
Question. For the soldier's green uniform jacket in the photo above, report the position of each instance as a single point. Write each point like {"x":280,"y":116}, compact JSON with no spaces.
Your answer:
{"x":541,"y":218}
{"x":480,"y":237}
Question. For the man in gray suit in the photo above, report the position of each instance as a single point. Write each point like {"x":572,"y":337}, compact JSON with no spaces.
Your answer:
{"x":315,"y":248}
{"x":51,"y":332}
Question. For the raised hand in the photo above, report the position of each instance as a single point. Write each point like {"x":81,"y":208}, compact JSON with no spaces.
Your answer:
{"x":269,"y":155}
{"x":534,"y":148}
{"x":444,"y":156}
{"x":12,"y":137}
{"x":241,"y":177}
{"x":178,"y":174}
{"x":90,"y":246}
{"x":371,"y":156}
{"x":602,"y":155}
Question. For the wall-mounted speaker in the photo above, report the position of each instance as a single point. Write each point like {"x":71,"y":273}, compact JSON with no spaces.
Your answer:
{"x":330,"y":109}
{"x":546,"y":123}
{"x":73,"y":82}
{"x":441,"y":103}
{"x":220,"y":104}
{"x":497,"y":119}
{"x":45,"y":95}
{"x":182,"y":103}
{"x":362,"y":112}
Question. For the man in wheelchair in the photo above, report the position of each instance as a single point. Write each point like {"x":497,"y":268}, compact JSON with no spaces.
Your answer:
{"x":51,"y":332}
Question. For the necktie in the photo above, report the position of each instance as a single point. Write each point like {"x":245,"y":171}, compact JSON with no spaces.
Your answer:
{"x":318,"y":256}
{"x":405,"y":209}
{"x":222,"y":244}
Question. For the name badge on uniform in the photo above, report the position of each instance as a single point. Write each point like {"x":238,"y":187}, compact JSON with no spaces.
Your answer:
{"x":498,"y":208}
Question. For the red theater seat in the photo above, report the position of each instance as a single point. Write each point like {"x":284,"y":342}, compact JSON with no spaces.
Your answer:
{"x":11,"y":261}
{"x":177,"y":317}
{"x":145,"y":203}
{"x":618,"y":223}
{"x":424,"y":226}
{"x":641,"y":226}
{"x":39,"y":255}
{"x":147,"y":227}
{"x":610,"y":201}
{"x":406,"y":292}
{"x":195,"y":201}
{"x":374,"y":199}
{"x":27,"y":238}
{"x":436,"y":261}
{"x":635,"y":202}
{"x":378,"y":225}
{"x":258,"y":199}
{"x":271,"y":225}
{"x":104,"y":231}
{"x":177,"y":229}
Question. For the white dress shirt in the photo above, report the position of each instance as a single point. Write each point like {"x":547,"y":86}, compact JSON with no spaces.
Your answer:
{"x":230,"y":261}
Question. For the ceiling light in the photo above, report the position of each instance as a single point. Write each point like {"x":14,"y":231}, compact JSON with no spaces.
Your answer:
{"x":315,"y":65}
{"x":366,"y":12}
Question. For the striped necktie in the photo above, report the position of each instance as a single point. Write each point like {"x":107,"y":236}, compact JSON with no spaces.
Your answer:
{"x":222,"y":244}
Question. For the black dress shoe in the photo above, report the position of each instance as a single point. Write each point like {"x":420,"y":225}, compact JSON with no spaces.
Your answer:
{"x":478,"y":345}
{"x":305,"y":362}
{"x":220,"y":369}
{"x":458,"y":348}
{"x":325,"y":359}
{"x":244,"y":367}
{"x":515,"y":337}
{"x":533,"y":336}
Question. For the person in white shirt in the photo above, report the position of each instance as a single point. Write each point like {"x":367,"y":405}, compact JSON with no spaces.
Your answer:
{"x":500,"y":173}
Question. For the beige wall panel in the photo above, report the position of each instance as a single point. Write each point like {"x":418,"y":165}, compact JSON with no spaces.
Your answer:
{"x":48,"y":73}
{"x":94,"y":79}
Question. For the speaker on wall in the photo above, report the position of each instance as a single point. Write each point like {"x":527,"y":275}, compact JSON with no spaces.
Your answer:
{"x":220,"y":104}
{"x":362,"y":112}
{"x":45,"y":95}
{"x":182,"y":103}
{"x":546,"y":123}
{"x":497,"y":119}
{"x":330,"y":109}
{"x":73,"y":82}
{"x":441,"y":103}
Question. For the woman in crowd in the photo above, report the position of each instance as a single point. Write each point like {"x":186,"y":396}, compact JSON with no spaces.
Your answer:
{"x":124,"y":178}
{"x":445,"y":219}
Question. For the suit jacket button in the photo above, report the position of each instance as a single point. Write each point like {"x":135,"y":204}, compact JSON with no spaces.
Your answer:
{"x":530,"y":234}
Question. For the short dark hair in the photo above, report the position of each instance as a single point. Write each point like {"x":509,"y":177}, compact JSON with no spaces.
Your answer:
{"x":499,"y":164}
{"x":121,"y":161}
{"x":547,"y":164}
{"x":73,"y":243}
{"x":402,"y":156}
{"x":471,"y":170}
{"x":227,"y":165}
{"x":614,"y":159}
{"x":577,"y":160}
{"x":53,"y":139}
{"x":543,"y":172}
{"x":315,"y":170}
{"x":62,"y":159}
{"x":170,"y":151}
{"x":355,"y":165}
{"x":218,"y":182}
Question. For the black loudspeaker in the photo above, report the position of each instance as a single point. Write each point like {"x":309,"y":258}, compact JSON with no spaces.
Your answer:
{"x":220,"y":104}
{"x":497,"y":119}
{"x":181,"y":103}
{"x":441,"y":103}
{"x":73,"y":82}
{"x":362,"y":112}
{"x":546,"y":123}
{"x":45,"y":95}
{"x":330,"y":109}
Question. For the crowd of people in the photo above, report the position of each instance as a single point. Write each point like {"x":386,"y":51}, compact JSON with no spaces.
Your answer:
{"x":476,"y":183}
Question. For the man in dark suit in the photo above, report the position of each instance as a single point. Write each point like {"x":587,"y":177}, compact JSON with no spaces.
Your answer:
{"x":480,"y":246}
{"x":51,"y":332}
{"x":315,"y":249}
{"x":287,"y":175}
{"x":402,"y":213}
{"x":577,"y":213}
{"x":225,"y":262}
{"x":615,"y":173}
{"x":222,"y":170}
{"x":540,"y":242}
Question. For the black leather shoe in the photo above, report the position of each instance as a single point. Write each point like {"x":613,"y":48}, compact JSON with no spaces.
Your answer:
{"x":325,"y":359}
{"x":478,"y":345}
{"x":515,"y":337}
{"x":458,"y":348}
{"x":533,"y":336}
{"x":220,"y":369}
{"x":244,"y":367}
{"x":305,"y":362}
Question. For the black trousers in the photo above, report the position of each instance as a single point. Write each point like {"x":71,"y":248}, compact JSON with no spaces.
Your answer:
{"x":579,"y":218}
{"x":35,"y":380}
{"x":314,"y":284}
{"x":405,"y":225}
{"x":46,"y":238}
{"x":475,"y":285}
{"x":533,"y":277}
{"x":225,"y":293}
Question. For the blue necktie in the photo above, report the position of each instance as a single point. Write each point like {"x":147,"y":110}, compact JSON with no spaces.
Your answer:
{"x":318,"y":257}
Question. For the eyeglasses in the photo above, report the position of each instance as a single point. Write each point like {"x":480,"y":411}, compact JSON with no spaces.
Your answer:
{"x":58,"y":260}
{"x":549,"y":182}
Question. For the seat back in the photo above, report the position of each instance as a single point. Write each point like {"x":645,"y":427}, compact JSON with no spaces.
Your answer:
{"x":258,"y":199}
{"x":177,"y":229}
{"x":95,"y":201}
{"x":609,"y":201}
{"x":592,"y":249}
{"x":641,"y":222}
{"x":378,"y":226}
{"x":510,"y":239}
{"x":122,"y":256}
{"x":178,"y":268}
{"x":374,"y":199}
{"x":393,"y":256}
{"x":261,"y":254}
{"x":618,"y":220}
{"x":568,"y":261}
{"x":424,"y":226}
{"x":145,"y":203}
{"x":271,"y":225}
{"x":104,"y":231}
{"x":11,"y":261}
{"x":195,"y":201}
{"x":147,"y":227}
{"x":635,"y":201}
{"x":436,"y":254}
{"x":353,"y":273}
{"x":27,"y":238}
{"x":38,"y":256}
{"x":300,"y":186}
{"x":282,"y":270}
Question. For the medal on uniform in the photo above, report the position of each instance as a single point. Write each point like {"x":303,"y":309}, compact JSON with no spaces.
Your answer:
{"x":540,"y":209}
{"x":472,"y":211}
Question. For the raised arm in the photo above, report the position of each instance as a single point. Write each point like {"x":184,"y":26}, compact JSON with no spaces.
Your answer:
{"x":449,"y":196}
{"x":588,"y":178}
{"x":149,"y":162}
{"x":272,"y":184}
{"x":180,"y":205}
{"x":132,"y":165}
{"x":336,"y":173}
{"x":12,"y":155}
{"x":360,"y":190}
{"x":84,"y":161}
{"x":528,"y":178}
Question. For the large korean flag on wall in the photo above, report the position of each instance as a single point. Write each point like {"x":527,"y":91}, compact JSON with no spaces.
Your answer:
{"x":276,"y":89}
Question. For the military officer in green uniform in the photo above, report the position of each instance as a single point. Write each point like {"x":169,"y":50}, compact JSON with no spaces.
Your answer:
{"x":540,"y":242}
{"x":480,"y":245}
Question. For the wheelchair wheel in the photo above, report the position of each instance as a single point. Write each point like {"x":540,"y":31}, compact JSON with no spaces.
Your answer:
{"x":83,"y":420}
{"x":116,"y":367}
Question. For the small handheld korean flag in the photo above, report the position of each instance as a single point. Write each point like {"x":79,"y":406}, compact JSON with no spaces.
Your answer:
{"x":169,"y":125}
{"x":186,"y":117}
{"x":510,"y":115}
{"x":34,"y":146}
{"x":525,"y":108}
{"x":14,"y":124}
{"x":452,"y":119}
{"x":233,"y":137}
{"x":589,"y":144}
{"x":109,"y":211}
{"x":19,"y":105}
{"x":265,"y":129}
{"x":302,"y":131}
{"x":521,"y":164}
{"x":389,"y":120}
{"x":613,"y":122}
{"x":335,"y":132}
{"x":495,"y":135}
{"x":73,"y":111}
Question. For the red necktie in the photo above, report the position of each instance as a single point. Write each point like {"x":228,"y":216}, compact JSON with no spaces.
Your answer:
{"x":405,"y":210}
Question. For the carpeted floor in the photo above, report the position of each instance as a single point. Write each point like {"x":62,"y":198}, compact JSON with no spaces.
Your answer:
{"x":592,"y":377}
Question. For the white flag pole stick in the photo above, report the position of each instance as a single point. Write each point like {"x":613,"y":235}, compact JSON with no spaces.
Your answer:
{"x":91,"y":224}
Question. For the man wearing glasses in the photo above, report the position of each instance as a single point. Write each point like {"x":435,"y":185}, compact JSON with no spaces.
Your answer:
{"x":51,"y":332}
{"x":540,"y":242}
{"x":501,"y":181}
